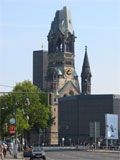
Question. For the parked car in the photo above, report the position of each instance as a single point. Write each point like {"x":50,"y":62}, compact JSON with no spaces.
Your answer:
{"x":38,"y":152}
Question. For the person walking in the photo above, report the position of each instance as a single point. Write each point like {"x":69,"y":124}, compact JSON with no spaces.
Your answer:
{"x":1,"y":152}
{"x":4,"y":149}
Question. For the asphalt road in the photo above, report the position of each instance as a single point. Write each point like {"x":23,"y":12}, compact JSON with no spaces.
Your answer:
{"x":56,"y":153}
{"x":81,"y":155}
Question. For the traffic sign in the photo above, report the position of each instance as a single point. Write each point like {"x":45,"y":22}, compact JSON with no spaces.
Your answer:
{"x":12,"y":121}
{"x":11,"y":129}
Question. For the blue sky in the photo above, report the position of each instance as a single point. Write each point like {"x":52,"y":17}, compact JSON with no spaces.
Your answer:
{"x":96,"y":23}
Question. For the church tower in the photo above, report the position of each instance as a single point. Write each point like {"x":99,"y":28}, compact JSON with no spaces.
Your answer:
{"x":61,"y":77}
{"x":86,"y":75}
{"x":61,"y":69}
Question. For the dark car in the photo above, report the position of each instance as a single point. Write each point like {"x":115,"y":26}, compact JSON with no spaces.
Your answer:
{"x":27,"y":153}
{"x":38,"y":152}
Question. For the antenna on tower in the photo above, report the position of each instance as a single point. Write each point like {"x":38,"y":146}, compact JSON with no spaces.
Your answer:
{"x":42,"y":46}
{"x":85,"y":48}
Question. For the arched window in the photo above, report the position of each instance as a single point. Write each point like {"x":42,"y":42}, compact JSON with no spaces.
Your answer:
{"x":62,"y":22}
{"x":59,"y":45}
{"x":71,"y":93}
{"x":65,"y":95}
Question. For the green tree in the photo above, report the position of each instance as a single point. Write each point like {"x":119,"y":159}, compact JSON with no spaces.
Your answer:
{"x":6,"y":112}
{"x":36,"y":114}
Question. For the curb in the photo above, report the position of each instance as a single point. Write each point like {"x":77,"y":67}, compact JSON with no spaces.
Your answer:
{"x":103,"y":151}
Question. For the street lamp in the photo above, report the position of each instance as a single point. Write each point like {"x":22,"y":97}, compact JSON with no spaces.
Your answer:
{"x":0,"y":123}
{"x":15,"y":144}
{"x":15,"y":147}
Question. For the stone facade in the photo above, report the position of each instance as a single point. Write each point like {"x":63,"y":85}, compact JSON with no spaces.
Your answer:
{"x":61,"y":79}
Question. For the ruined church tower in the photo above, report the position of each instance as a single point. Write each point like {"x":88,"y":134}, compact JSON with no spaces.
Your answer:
{"x":61,"y":77}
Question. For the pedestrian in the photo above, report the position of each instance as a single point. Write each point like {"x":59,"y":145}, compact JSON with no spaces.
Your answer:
{"x":8,"y":149}
{"x":1,"y":152}
{"x":4,"y":149}
{"x":92,"y":146}
{"x":29,"y":148}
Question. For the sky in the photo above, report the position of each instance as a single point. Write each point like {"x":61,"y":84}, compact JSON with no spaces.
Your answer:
{"x":24,"y":24}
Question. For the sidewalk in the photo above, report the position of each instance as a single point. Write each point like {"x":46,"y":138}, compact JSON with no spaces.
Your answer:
{"x":10,"y":157}
{"x":105,"y":150}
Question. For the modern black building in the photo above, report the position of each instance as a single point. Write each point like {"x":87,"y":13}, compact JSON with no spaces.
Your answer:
{"x":76,"y":112}
{"x":40,"y":65}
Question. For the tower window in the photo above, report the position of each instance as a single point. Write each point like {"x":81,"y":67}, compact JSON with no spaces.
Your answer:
{"x":65,"y":95}
{"x":68,"y":62}
{"x":71,"y":93}
{"x":59,"y":45}
{"x":62,"y":22}
{"x":69,"y":21}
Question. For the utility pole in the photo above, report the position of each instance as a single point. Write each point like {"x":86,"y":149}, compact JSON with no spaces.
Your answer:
{"x":95,"y":135}
{"x":0,"y":123}
{"x":15,"y":144}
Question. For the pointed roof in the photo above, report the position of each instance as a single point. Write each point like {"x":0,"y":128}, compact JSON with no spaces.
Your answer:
{"x":66,"y":86}
{"x":86,"y":65}
{"x":86,"y":61}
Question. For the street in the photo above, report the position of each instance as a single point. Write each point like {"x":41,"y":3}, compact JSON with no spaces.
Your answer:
{"x":72,"y":154}
{"x":81,"y":155}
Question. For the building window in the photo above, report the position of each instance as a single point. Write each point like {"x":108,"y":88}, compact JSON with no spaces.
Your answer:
{"x":54,"y":109}
{"x":71,"y":93}
{"x":68,"y":62}
{"x":65,"y":95}
{"x":62,"y":22}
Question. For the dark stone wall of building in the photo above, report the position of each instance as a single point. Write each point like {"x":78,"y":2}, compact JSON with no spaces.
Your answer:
{"x":68,"y":119}
{"x":75,"y":114}
{"x":40,"y":64}
{"x":116,"y":104}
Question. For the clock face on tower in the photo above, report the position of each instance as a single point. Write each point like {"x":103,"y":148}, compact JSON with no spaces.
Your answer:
{"x":68,"y":72}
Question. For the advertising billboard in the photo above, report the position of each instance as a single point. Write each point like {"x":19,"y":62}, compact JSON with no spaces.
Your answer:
{"x":11,"y":129}
{"x":111,"y":126}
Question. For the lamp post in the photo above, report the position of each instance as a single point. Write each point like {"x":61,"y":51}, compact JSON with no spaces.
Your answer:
{"x":15,"y":147}
{"x":0,"y":123}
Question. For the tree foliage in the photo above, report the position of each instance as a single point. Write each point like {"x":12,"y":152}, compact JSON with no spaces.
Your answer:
{"x":36,"y":114}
